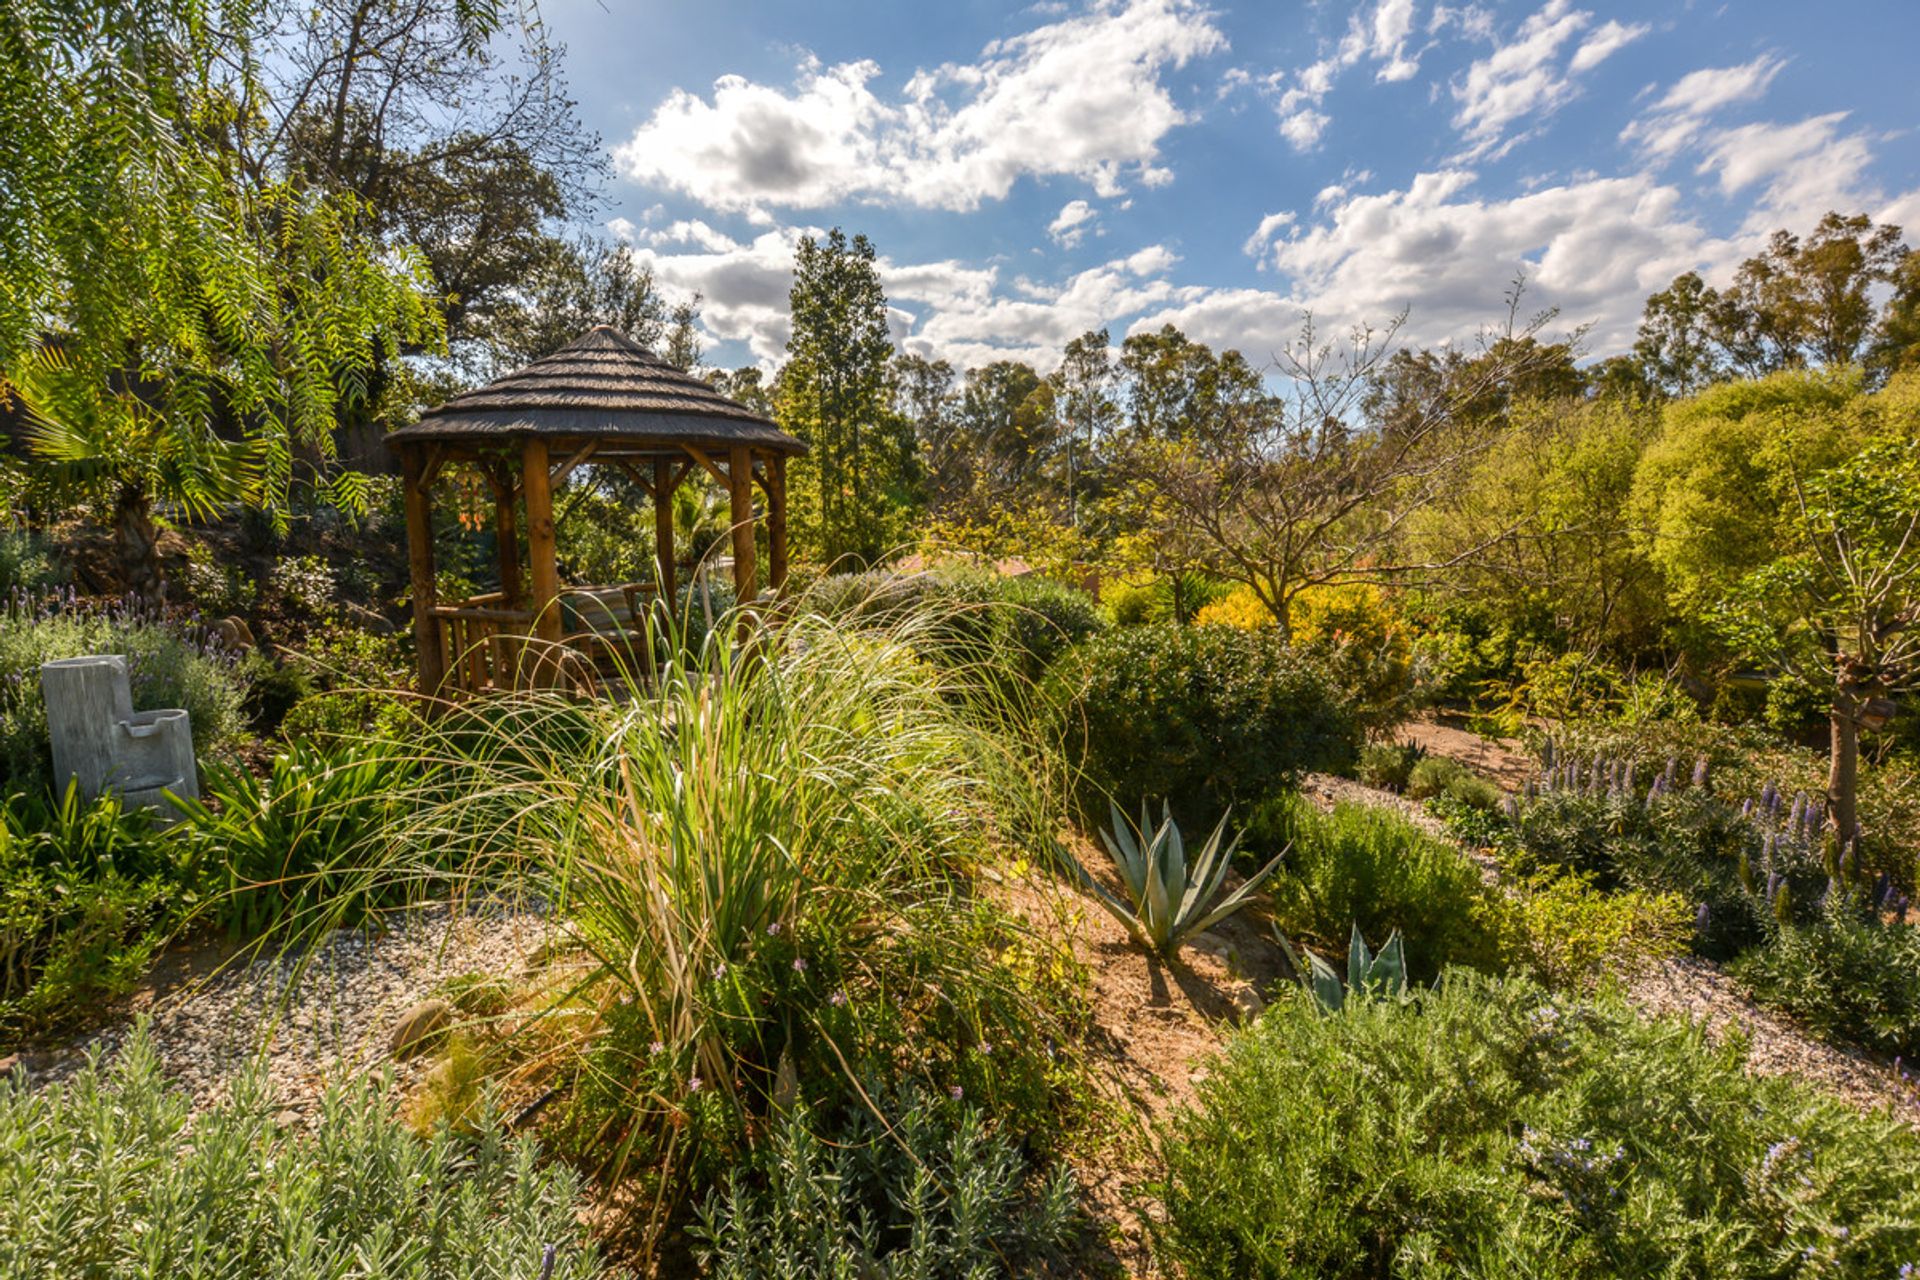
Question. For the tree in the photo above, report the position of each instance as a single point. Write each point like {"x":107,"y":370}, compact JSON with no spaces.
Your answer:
{"x":923,"y":396}
{"x":575,"y":285}
{"x":1783,"y":515}
{"x":1676,"y":346}
{"x":177,"y":328}
{"x":1896,"y":339}
{"x":449,"y":120}
{"x":1537,"y":526}
{"x":747,"y":385}
{"x":1799,"y":303}
{"x":1083,"y":396}
{"x":851,"y":492}
{"x":1282,"y":493}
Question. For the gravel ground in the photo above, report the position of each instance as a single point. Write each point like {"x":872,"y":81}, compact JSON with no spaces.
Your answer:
{"x":317,"y":1017}
{"x":1697,"y":989}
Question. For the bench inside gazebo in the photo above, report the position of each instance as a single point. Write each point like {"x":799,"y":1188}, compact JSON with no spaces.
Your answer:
{"x":603,"y":400}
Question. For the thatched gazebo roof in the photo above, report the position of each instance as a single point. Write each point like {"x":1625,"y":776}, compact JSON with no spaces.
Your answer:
{"x":602,"y":399}
{"x":606,"y":387}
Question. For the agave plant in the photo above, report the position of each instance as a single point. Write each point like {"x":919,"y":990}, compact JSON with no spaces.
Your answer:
{"x":1382,"y":974}
{"x":1167,"y":901}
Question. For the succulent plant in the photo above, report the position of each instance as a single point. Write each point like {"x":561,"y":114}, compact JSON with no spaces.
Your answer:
{"x":1168,"y":901}
{"x":1383,"y":974}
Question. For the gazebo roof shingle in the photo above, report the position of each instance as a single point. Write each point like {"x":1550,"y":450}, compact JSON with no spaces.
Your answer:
{"x":603,"y":385}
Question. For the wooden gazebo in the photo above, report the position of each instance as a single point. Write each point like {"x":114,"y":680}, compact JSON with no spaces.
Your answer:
{"x":602,"y":399}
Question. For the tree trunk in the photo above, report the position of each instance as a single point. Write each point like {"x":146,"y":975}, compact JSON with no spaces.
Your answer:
{"x":137,"y":543}
{"x":1843,"y":771}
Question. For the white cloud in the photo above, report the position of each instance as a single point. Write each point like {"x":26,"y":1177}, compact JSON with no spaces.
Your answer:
{"x":1303,"y":128}
{"x":1270,"y":226}
{"x":1680,"y":115}
{"x":1071,"y":224}
{"x":1594,"y":248}
{"x":1804,"y":170}
{"x":686,"y":231}
{"x":1380,"y":35}
{"x":1081,"y":97}
{"x":1608,"y":40}
{"x":1519,"y":80}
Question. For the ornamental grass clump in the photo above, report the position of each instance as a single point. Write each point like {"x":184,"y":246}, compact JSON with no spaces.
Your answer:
{"x":762,"y":867}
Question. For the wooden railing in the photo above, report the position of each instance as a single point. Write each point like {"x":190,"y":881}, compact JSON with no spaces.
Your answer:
{"x":487,"y":646}
{"x":481,"y":644}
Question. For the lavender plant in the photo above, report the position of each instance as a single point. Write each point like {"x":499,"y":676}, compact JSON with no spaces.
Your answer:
{"x":110,"y":1174}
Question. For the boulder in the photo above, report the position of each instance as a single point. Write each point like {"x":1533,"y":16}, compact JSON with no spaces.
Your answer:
{"x":420,"y":1028}
{"x":234,"y":635}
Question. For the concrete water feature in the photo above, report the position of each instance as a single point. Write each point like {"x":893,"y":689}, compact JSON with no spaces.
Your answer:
{"x":99,"y":739}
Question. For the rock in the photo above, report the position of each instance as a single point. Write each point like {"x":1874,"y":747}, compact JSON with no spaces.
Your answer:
{"x":367,"y":619}
{"x":286,"y":1119}
{"x":234,"y":635}
{"x":9,"y":1065}
{"x":1247,"y":1002}
{"x":1212,"y":944}
{"x":420,"y":1028}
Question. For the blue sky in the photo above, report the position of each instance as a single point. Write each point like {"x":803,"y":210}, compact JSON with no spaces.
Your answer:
{"x":1028,"y":172}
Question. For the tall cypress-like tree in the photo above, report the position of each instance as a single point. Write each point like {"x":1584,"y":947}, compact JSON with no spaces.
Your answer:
{"x":851,"y":493}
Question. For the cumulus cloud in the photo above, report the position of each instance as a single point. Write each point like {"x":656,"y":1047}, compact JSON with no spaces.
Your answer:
{"x":1070,"y":226}
{"x":944,"y":309}
{"x":1270,"y":226}
{"x":1380,"y":35}
{"x":1679,"y":116}
{"x":1803,"y":169}
{"x":1081,"y":97}
{"x":1527,"y":78}
{"x":1593,"y":248}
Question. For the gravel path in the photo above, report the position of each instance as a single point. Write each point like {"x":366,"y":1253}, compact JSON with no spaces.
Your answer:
{"x":320,"y":1016}
{"x":1696,"y":989}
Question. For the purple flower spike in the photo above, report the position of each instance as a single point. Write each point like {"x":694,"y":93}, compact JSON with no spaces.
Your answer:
{"x":1702,"y":919}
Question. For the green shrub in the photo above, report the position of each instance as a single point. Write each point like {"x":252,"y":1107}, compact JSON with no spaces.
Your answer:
{"x":1370,"y":867}
{"x":929,"y":1195}
{"x":1682,"y":841}
{"x":1177,"y":597}
{"x":27,"y":564}
{"x":354,"y":680}
{"x":1388,"y":766}
{"x":981,"y":617}
{"x":106,"y":1176}
{"x":1435,"y":776}
{"x":1570,"y":934}
{"x":1492,"y":1129}
{"x":87,"y":894}
{"x":297,"y":841}
{"x":1847,"y":977}
{"x":1207,"y":717}
{"x":168,"y":665}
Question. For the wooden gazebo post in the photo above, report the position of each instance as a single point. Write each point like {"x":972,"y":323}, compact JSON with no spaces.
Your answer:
{"x":506,"y":532}
{"x":777,"y":522}
{"x":419,"y":506}
{"x":543,"y":567}
{"x":663,"y":529}
{"x":746,"y":584}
